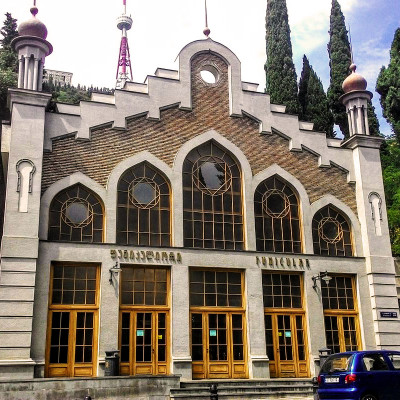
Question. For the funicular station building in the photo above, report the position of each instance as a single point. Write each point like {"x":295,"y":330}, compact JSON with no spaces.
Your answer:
{"x":190,"y":224}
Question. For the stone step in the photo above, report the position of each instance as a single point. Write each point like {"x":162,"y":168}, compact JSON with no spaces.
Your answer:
{"x":247,"y":382}
{"x":273,"y":389}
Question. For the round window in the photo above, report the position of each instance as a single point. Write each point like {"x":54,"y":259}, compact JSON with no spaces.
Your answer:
{"x":209,"y":74}
{"x":212,"y":175}
{"x":330,"y":230}
{"x":144,"y":193}
{"x":276,"y":203}
{"x":77,"y":212}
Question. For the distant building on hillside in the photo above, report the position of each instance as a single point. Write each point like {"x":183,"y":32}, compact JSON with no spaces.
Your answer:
{"x":61,"y":77}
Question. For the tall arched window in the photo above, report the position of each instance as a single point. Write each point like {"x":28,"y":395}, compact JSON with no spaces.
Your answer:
{"x":212,"y":199}
{"x":277,"y":217}
{"x":144,"y":211}
{"x":331,"y":233}
{"x":76,"y":215}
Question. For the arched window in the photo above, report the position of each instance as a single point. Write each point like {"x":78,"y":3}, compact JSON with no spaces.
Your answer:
{"x":212,"y":199}
{"x":277,"y":217}
{"x":144,"y":211}
{"x":331,"y":233}
{"x":76,"y":215}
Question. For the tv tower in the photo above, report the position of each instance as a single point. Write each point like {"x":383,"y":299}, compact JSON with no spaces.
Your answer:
{"x":124,"y":69}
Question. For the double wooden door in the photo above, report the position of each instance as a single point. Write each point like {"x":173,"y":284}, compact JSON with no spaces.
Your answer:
{"x":218,"y":345}
{"x":143,"y":339}
{"x":72,"y":348}
{"x":286,"y":348}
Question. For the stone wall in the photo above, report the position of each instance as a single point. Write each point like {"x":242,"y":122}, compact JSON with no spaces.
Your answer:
{"x":110,"y":388}
{"x":107,"y":147}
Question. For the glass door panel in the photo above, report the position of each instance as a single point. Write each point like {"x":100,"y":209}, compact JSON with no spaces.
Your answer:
{"x":341,"y":333}
{"x":285,"y":345}
{"x":72,"y":339}
{"x":218,"y":345}
{"x":144,"y":343}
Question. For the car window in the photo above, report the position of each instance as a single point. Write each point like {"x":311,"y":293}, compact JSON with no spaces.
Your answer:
{"x":395,"y":359}
{"x":374,"y":362}
{"x":337,"y":364}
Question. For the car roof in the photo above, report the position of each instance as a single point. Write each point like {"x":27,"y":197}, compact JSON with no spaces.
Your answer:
{"x":348,"y":353}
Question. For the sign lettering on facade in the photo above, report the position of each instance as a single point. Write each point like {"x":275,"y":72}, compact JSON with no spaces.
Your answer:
{"x":388,"y":314}
{"x":147,"y":256}
{"x":283,"y":263}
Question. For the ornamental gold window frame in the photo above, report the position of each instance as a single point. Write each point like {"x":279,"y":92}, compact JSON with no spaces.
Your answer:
{"x":190,"y":189}
{"x":259,"y":217}
{"x":134,"y":207}
{"x":349,"y":224}
{"x":340,"y":313}
{"x":61,"y":217}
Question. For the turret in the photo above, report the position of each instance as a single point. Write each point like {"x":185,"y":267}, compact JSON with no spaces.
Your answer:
{"x":32,"y":48}
{"x":355,"y":99}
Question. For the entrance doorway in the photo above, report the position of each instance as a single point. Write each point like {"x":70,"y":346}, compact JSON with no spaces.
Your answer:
{"x":72,"y":321}
{"x":285,"y":328}
{"x":285,"y":342}
{"x":218,"y":343}
{"x":218,"y":328}
{"x":144,"y":320}
{"x":145,"y":334}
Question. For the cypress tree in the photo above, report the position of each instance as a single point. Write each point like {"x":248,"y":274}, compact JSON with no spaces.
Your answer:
{"x":339,"y":61}
{"x":280,"y":71}
{"x":8,"y":62}
{"x":388,"y":86}
{"x":303,"y":84}
{"x":313,"y":101}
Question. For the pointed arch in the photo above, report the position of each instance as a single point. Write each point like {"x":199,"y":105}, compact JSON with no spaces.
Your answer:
{"x":143,"y":207}
{"x":330,"y":201}
{"x":114,"y":178}
{"x":246,"y":179}
{"x":56,"y":187}
{"x":277,"y":217}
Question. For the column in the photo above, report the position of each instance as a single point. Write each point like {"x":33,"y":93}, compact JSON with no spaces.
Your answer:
{"x":26,"y":71}
{"x":258,"y":360}
{"x":35,"y":74}
{"x":180,"y":326}
{"x":21,"y":72}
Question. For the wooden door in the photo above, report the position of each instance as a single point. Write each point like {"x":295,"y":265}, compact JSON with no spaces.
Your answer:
{"x":144,"y":338}
{"x":285,"y":339}
{"x":72,"y":339}
{"x":218,"y":345}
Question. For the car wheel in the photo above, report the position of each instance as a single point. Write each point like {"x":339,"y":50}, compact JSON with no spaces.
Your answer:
{"x":369,"y":397}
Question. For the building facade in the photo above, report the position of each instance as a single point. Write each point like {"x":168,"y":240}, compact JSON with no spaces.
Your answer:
{"x":57,"y":77}
{"x":192,"y":225}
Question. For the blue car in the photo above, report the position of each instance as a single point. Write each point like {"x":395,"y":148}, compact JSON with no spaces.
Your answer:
{"x":360,"y":375}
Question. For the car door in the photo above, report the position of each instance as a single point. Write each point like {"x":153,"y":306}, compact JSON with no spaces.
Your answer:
{"x":377,"y":376}
{"x":394,"y":364}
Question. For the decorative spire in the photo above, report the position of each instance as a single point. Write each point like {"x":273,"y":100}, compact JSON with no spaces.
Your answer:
{"x":124,"y":69}
{"x":206,"y":30}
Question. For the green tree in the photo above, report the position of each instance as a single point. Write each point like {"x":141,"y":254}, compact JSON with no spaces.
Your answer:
{"x":373,"y":122}
{"x":339,"y":61}
{"x":313,"y":101}
{"x":388,"y":86}
{"x":280,"y":71}
{"x":390,"y":156}
{"x":8,"y":62}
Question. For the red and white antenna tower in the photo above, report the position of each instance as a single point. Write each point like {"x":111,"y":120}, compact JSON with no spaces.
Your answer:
{"x":124,"y":69}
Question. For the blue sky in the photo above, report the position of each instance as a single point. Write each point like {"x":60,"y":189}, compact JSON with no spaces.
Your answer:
{"x":86,"y":40}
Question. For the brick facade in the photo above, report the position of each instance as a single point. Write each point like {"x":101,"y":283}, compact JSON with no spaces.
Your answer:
{"x":96,"y":158}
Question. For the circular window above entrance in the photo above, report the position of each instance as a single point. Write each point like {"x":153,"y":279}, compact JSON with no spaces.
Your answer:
{"x":144,"y":193}
{"x":77,"y":212}
{"x":276,"y":203}
{"x":212,"y":175}
{"x":330,"y":230}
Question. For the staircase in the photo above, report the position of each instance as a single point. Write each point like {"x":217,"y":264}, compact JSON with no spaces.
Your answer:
{"x":246,"y":389}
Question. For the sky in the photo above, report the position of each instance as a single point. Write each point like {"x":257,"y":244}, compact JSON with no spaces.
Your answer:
{"x":86,"y":40}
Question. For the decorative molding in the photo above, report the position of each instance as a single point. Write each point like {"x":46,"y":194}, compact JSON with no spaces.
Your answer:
{"x":375,"y":201}
{"x":25,"y":171}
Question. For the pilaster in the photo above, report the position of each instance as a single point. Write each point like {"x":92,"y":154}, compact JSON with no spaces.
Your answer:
{"x":19,"y":251}
{"x":372,"y":213}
